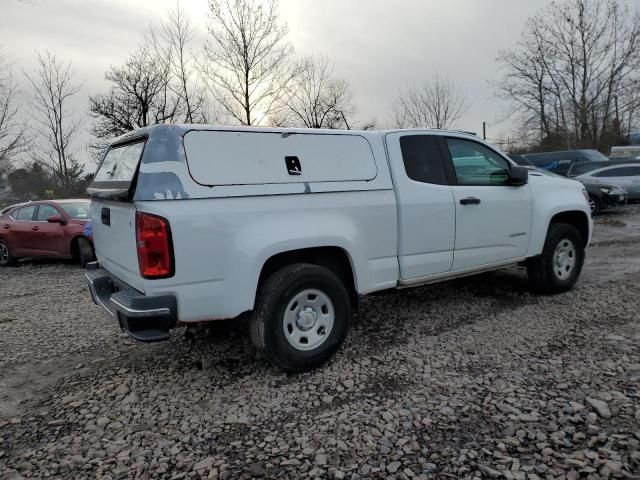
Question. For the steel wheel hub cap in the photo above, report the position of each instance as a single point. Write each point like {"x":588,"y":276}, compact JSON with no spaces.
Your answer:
{"x":564,"y":259}
{"x":308,"y":319}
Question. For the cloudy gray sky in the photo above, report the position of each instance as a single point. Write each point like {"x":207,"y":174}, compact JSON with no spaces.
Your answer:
{"x":379,"y":46}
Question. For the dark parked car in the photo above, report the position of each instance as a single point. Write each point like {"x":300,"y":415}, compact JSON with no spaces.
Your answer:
{"x":52,"y":228}
{"x":560,"y":162}
{"x":603,"y":195}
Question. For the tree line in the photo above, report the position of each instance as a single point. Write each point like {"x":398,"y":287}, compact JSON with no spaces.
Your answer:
{"x":571,"y":81}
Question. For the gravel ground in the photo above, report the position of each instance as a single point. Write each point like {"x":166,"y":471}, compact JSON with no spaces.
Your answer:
{"x":475,"y":378}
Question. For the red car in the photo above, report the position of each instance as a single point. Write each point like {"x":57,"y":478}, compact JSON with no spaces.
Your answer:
{"x":48,"y":228}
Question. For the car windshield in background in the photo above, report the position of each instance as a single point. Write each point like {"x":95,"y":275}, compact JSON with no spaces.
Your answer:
{"x":585,"y":167}
{"x":120,"y":163}
{"x":594,"y":156}
{"x":77,"y":210}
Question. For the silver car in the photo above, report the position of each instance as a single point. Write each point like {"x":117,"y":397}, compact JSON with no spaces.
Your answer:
{"x":627,"y":176}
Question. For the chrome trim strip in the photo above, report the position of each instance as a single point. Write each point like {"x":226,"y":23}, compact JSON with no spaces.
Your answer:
{"x":141,"y":313}
{"x":96,"y":298}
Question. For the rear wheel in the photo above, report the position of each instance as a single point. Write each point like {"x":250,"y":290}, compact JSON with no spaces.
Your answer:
{"x":6,"y":259}
{"x":594,"y":204}
{"x":301,"y":318}
{"x":557,"y":269}
{"x":85,"y":252}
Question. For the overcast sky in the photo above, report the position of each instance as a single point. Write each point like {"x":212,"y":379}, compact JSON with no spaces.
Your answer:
{"x":379,"y":46}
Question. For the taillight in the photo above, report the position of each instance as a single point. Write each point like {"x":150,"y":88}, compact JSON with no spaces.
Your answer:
{"x":155,"y":249}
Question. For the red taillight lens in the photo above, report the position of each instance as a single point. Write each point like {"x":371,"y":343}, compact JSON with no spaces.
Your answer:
{"x":153,"y":236}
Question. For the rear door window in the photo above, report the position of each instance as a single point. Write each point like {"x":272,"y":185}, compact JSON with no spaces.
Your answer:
{"x":25,"y":214}
{"x":422,"y":159}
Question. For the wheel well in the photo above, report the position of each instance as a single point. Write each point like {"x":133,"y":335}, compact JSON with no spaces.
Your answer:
{"x":577,"y":219}
{"x":332,"y":258}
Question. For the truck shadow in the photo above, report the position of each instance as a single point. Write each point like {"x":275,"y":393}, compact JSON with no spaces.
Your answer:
{"x":432,"y":310}
{"x":384,"y":320}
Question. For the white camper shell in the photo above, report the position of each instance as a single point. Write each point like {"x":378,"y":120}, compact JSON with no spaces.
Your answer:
{"x":290,"y":226}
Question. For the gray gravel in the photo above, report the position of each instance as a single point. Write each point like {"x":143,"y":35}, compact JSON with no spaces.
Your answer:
{"x":476,"y":378}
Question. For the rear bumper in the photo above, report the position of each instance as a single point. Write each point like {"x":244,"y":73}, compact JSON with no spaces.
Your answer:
{"x":145,"y":318}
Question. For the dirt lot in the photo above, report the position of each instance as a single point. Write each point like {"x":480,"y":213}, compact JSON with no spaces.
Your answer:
{"x":476,"y":378}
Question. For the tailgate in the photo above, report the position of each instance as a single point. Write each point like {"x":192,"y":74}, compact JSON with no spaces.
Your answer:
{"x":113,"y":214}
{"x":114,"y":238}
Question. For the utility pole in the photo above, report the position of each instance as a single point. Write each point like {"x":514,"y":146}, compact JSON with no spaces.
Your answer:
{"x":484,"y":130}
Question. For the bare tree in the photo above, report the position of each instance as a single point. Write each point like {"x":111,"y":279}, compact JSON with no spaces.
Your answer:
{"x":13,"y":132}
{"x":158,"y":83}
{"x":140,"y":95}
{"x":172,"y":42}
{"x":435,"y":104}
{"x":316,"y":98}
{"x":52,"y":88}
{"x":574,"y":75}
{"x":247,"y":61}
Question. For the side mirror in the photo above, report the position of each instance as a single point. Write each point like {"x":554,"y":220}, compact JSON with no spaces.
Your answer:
{"x":56,"y":219}
{"x":518,"y":175}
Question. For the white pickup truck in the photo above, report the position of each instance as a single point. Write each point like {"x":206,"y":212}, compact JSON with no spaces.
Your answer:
{"x":199,"y":223}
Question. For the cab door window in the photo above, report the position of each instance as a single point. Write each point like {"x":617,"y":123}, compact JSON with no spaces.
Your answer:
{"x":475,"y":164}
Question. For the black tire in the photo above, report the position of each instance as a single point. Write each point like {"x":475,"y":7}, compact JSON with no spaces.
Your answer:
{"x":595,"y":204}
{"x":267,"y":324}
{"x":6,"y":259}
{"x":85,"y":252}
{"x":549,"y":277}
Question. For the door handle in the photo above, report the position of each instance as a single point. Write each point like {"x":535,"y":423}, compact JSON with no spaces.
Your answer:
{"x":35,"y":229}
{"x":6,"y":227}
{"x":470,"y":201}
{"x":105,"y":216}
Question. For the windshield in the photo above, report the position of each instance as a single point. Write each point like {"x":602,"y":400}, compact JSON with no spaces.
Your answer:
{"x":77,"y":210}
{"x":594,"y":155}
{"x":120,"y":163}
{"x":584,"y":167}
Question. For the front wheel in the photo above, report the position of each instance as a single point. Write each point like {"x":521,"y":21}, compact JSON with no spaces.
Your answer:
{"x":301,"y":317}
{"x":6,"y":259}
{"x":557,"y":269}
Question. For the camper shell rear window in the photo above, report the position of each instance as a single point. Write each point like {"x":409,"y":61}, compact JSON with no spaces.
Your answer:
{"x":118,"y":169}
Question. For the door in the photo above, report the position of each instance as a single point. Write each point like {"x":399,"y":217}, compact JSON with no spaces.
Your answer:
{"x":493,"y":218}
{"x":426,"y":212}
{"x":22,"y":230}
{"x":49,"y":238}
